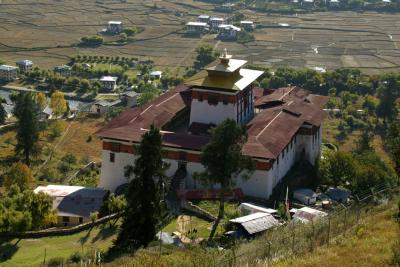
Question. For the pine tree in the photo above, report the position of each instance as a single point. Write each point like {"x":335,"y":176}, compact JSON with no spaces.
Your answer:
{"x":144,"y":193}
{"x":3,"y":114}
{"x":223,"y":160}
{"x":25,"y":111}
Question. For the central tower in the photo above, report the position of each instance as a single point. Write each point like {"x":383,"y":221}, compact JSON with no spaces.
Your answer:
{"x":223,"y":90}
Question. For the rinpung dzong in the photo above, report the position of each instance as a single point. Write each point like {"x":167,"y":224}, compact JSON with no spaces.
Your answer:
{"x":283,"y":125}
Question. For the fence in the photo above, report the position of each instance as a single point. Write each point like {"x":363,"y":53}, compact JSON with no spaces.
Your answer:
{"x":295,"y":239}
{"x":60,"y":231}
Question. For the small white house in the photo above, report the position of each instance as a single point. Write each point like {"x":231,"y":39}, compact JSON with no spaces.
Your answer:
{"x":228,"y":31}
{"x":114,"y":27}
{"x":156,"y":74}
{"x":8,"y":73}
{"x":247,"y":25}
{"x":203,"y":18}
{"x":109,"y":83}
{"x":24,"y":65}
{"x":215,"y":22}
{"x":305,"y":196}
{"x":196,"y":27}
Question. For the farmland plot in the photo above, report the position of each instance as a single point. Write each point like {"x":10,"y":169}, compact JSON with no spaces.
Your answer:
{"x":48,"y":31}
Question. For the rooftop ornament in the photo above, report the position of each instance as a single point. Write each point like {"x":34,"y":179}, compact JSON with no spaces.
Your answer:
{"x":225,"y":57}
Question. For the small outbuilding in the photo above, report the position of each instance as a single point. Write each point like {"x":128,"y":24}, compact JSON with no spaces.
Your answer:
{"x":337,"y":194}
{"x":305,"y":195}
{"x":101,"y":107}
{"x":306,"y":214}
{"x":255,"y":223}
{"x":129,"y":98}
{"x":249,"y":208}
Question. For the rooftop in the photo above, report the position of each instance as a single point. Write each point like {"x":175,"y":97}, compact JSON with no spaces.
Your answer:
{"x":236,"y":78}
{"x":25,"y":62}
{"x":268,"y":132}
{"x":256,"y":222}
{"x":196,"y":23}
{"x":114,"y":22}
{"x":108,"y":79}
{"x":7,"y":68}
{"x":76,"y":201}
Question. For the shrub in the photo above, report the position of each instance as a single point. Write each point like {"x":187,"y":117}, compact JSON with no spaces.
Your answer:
{"x":75,"y":257}
{"x":56,"y":262}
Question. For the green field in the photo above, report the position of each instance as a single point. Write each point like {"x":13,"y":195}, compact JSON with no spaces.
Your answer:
{"x":31,"y":252}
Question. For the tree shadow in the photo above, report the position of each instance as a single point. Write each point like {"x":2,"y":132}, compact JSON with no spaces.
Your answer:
{"x":105,"y":232}
{"x":7,"y":249}
{"x":85,"y":238}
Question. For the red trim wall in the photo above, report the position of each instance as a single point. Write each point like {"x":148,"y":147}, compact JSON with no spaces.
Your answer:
{"x":172,"y":154}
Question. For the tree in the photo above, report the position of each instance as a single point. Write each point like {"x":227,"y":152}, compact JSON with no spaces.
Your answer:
{"x":205,"y":55}
{"x":388,"y":94}
{"x":393,"y":144}
{"x":115,"y":204}
{"x":3,"y":114}
{"x":337,"y":168}
{"x":58,"y":104}
{"x":41,"y":100}
{"x":143,"y":210}
{"x":223,"y":160}
{"x":27,"y":137}
{"x":20,"y":175}
{"x":365,"y":139}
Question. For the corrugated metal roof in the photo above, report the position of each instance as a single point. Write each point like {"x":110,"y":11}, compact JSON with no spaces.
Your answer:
{"x":256,"y":222}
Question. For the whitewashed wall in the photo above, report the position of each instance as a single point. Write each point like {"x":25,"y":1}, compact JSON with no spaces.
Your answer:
{"x":112,"y":173}
{"x":203,"y":112}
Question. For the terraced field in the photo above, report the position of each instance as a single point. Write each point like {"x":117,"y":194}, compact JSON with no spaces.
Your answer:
{"x":47,"y":32}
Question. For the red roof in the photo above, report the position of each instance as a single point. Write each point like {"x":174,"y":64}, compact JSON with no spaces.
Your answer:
{"x":283,"y":112}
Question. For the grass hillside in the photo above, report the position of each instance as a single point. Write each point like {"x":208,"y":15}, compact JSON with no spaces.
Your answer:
{"x":31,"y":252}
{"x":371,"y":244}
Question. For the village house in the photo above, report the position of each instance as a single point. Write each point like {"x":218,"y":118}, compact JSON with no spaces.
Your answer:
{"x":196,"y":27}
{"x":156,"y":74}
{"x":63,"y":70}
{"x":228,"y":32}
{"x":24,"y":65}
{"x":73,"y":204}
{"x":109,"y":83}
{"x":334,"y":3}
{"x":101,"y":107}
{"x":285,"y":128}
{"x":308,"y":3}
{"x":129,"y":98}
{"x":247,"y":25}
{"x":203,"y":18}
{"x":8,"y":73}
{"x":215,"y":22}
{"x":114,"y":27}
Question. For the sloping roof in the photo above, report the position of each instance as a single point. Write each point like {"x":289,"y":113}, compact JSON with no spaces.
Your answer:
{"x":7,"y":68}
{"x":25,"y":62}
{"x":108,"y":79}
{"x":235,"y":82}
{"x":76,"y":201}
{"x":269,"y":132}
{"x":256,"y":222}
{"x":307,"y":214}
{"x":196,"y":23}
